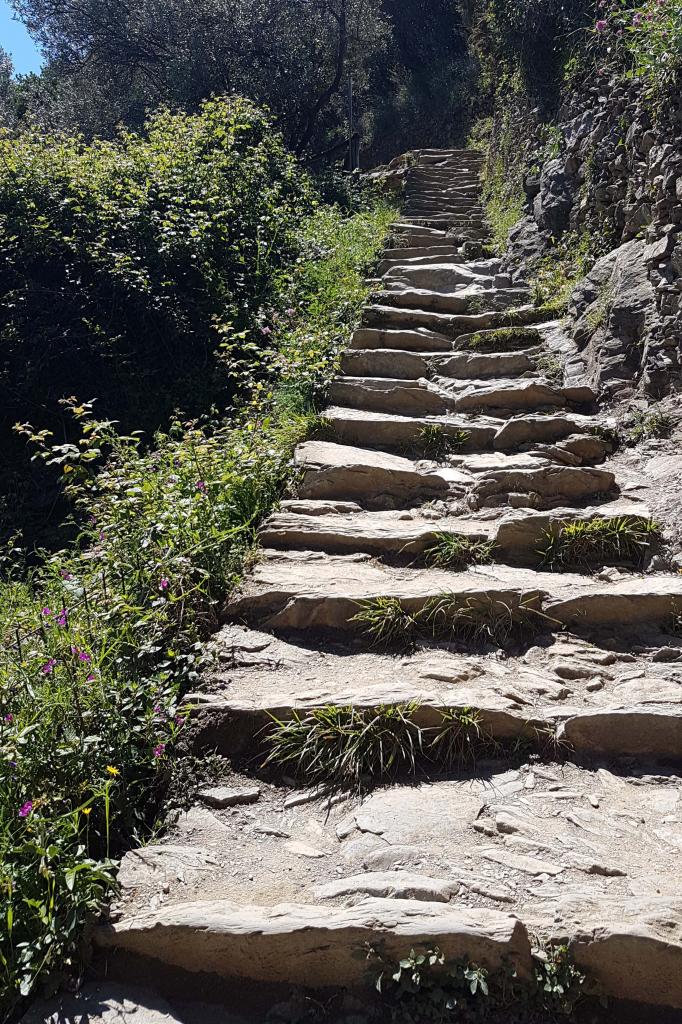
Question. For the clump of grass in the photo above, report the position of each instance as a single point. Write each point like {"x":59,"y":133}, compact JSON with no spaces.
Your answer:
{"x":351,"y":747}
{"x":610,"y":435}
{"x":551,"y":367}
{"x":435,"y":442}
{"x":582,"y":543}
{"x":480,"y":621}
{"x":650,"y":424}
{"x":387,"y":623}
{"x":455,"y":551}
{"x":504,"y":339}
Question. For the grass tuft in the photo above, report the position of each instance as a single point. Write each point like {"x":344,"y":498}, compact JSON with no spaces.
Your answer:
{"x":586,"y":544}
{"x":455,"y":551}
{"x":504,"y":339}
{"x":387,"y":623}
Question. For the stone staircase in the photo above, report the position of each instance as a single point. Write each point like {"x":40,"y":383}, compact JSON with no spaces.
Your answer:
{"x":442,"y":426}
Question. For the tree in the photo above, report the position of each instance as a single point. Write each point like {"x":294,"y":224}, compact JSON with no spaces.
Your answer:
{"x":123,"y":58}
{"x":6,"y":90}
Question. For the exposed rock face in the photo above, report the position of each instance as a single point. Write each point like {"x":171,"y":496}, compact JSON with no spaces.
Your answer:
{"x":624,"y":184}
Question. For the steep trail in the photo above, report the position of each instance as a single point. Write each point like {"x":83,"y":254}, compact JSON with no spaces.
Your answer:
{"x":448,"y":423}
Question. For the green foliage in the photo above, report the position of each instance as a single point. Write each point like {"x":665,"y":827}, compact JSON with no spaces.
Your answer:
{"x":560,"y":270}
{"x":426,"y":987}
{"x":100,"y":641}
{"x":504,"y":199}
{"x":387,"y":623}
{"x":145,"y":264}
{"x":648,"y":424}
{"x":352,"y":747}
{"x":551,"y":367}
{"x":457,"y":551}
{"x":596,"y":542}
{"x":645,"y":36}
{"x":436,"y":442}
{"x":504,"y":339}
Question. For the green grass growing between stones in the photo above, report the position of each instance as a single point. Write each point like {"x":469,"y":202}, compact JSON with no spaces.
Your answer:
{"x":597,"y":542}
{"x":350,"y":747}
{"x":456,"y":551}
{"x":504,"y":339}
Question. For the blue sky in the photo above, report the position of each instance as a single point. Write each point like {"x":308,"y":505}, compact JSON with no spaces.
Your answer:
{"x":15,"y":39}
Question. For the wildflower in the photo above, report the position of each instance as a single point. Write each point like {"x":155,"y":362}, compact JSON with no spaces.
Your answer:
{"x":179,"y":720}
{"x":9,"y":718}
{"x":91,"y":678}
{"x":87,"y":811}
{"x":164,"y":584}
{"x":63,"y":617}
{"x":26,"y":809}
{"x":637,"y":20}
{"x":159,"y":750}
{"x":65,"y":574}
{"x":47,"y":612}
{"x":84,"y":656}
{"x":201,"y":486}
{"x":290,"y":312}
{"x":602,"y":25}
{"x":113,"y":771}
{"x":266,"y":330}
{"x":49,"y":666}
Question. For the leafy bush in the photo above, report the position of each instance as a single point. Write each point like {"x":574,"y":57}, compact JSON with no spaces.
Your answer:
{"x":126,"y":265}
{"x":100,"y":641}
{"x":648,"y":34}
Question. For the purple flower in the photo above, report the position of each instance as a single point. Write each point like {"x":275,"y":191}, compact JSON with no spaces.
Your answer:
{"x":637,"y":20}
{"x":201,"y":486}
{"x":84,"y":656}
{"x":63,"y":617}
{"x":266,"y":330}
{"x":9,"y":718}
{"x":47,"y":612}
{"x":91,"y":678}
{"x":65,"y":575}
{"x":179,"y":720}
{"x":164,"y":584}
{"x":602,"y":25}
{"x":48,"y":667}
{"x":26,"y":809}
{"x":290,"y":312}
{"x":159,"y":750}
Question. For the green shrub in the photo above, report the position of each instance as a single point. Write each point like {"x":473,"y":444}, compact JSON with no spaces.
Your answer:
{"x":457,"y":551}
{"x":596,"y":542}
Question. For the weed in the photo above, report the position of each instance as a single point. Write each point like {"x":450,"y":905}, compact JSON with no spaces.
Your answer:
{"x":596,"y":542}
{"x":646,"y":425}
{"x":347,"y":746}
{"x":551,"y":368}
{"x":435,"y":442}
{"x":504,"y":339}
{"x":387,"y":623}
{"x":477,"y":621}
{"x":597,"y":314}
{"x":610,"y":435}
{"x":457,"y":551}
{"x":351,"y":747}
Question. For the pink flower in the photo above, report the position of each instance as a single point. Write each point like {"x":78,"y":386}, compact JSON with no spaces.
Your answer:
{"x":47,"y":612}
{"x":266,"y":330}
{"x":9,"y":718}
{"x":601,"y":25}
{"x":63,"y":617}
{"x":65,"y":575}
{"x":48,"y":667}
{"x":164,"y":584}
{"x":159,"y":751}
{"x":637,"y":20}
{"x":26,"y":809}
{"x":201,"y":486}
{"x":179,"y":720}
{"x":290,"y":312}
{"x":91,"y":678}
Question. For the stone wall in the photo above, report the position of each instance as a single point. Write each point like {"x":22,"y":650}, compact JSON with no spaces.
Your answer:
{"x":618,"y":173}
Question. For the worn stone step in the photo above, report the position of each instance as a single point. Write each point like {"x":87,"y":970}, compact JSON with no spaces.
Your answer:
{"x":401,"y":364}
{"x":365,"y":429}
{"x":307,"y":591}
{"x":443,"y":277}
{"x":376,"y":478}
{"x":460,"y":301}
{"x":519,"y":537}
{"x":391,"y":317}
{"x":419,"y":340}
{"x":406,"y":398}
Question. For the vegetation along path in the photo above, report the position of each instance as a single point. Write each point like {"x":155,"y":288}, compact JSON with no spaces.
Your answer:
{"x":426,"y":614}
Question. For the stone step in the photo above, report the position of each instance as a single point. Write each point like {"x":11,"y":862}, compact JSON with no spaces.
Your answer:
{"x":519,"y":537}
{"x":460,"y":301}
{"x":338,"y":472}
{"x":418,"y":340}
{"x":443,"y":277}
{"x":379,"y":480}
{"x":435,"y":398}
{"x":390,"y":317}
{"x":401,"y":364}
{"x":296,"y":591}
{"x":367,"y":429}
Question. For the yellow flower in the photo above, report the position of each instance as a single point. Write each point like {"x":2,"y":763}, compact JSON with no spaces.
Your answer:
{"x":113,"y":771}
{"x":87,"y":810}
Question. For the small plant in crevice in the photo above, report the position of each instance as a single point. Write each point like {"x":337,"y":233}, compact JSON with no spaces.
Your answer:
{"x":503,"y":339}
{"x":352,"y":747}
{"x":646,"y":425}
{"x":550,"y":367}
{"x":387,"y":623}
{"x":596,"y":542}
{"x":481,"y":620}
{"x":435,"y":442}
{"x":457,"y":551}
{"x":610,"y":435}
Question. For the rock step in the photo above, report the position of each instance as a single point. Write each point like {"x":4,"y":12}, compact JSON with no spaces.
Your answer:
{"x":435,"y":398}
{"x":390,"y":317}
{"x":379,"y":480}
{"x":445,"y":276}
{"x":420,"y":340}
{"x":366,"y":429}
{"x":519,"y":537}
{"x":308,"y":591}
{"x":474,"y":867}
{"x":406,"y":365}
{"x":461,"y":301}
